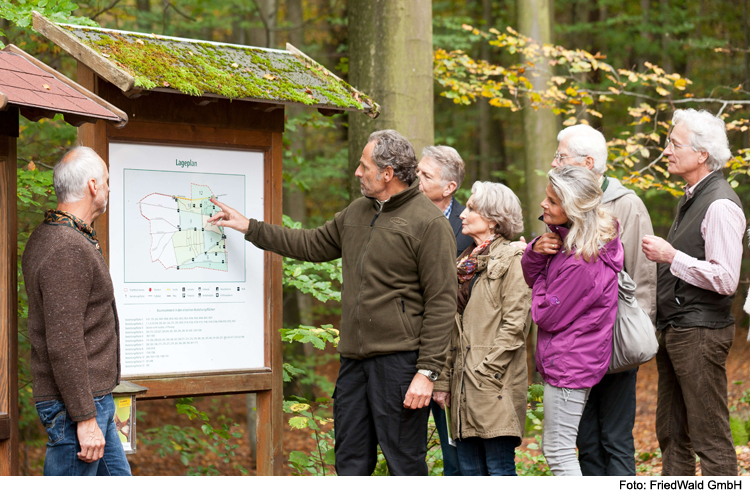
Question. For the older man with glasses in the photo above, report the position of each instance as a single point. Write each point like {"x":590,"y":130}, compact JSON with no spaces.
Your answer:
{"x":605,"y":433}
{"x":699,"y":270}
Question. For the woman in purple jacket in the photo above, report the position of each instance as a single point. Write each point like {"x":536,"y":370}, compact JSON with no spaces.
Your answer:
{"x":572,"y":271}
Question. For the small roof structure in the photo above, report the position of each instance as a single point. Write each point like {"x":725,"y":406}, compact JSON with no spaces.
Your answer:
{"x":40,"y":91}
{"x":137,"y":62}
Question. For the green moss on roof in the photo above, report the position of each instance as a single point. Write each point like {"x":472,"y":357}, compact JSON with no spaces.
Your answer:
{"x":195,"y":68}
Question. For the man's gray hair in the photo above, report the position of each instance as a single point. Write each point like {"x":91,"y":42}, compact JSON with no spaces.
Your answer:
{"x":706,"y":133}
{"x":449,"y":161}
{"x":392,"y":149}
{"x":72,"y":174}
{"x":496,"y":203}
{"x":583,"y":140}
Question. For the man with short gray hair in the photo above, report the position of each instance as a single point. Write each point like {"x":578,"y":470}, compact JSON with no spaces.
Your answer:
{"x":398,"y":301}
{"x":441,"y":173}
{"x":699,"y":270}
{"x":72,"y":325}
{"x":605,"y":434}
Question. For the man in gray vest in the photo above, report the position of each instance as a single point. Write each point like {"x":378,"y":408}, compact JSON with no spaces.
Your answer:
{"x":699,"y":269}
{"x":605,"y":434}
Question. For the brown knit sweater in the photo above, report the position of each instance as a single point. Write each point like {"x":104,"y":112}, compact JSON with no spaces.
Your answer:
{"x":72,"y":323}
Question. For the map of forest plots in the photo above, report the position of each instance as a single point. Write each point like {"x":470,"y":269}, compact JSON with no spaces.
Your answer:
{"x":181,"y":236}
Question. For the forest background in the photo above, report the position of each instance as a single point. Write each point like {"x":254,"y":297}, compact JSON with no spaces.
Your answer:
{"x":497,"y":97}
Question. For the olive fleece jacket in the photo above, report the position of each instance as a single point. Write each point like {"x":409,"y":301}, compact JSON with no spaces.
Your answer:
{"x":72,"y":323}
{"x":399,"y":274}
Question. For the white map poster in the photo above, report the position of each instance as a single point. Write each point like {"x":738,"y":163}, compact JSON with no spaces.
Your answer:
{"x":189,"y":293}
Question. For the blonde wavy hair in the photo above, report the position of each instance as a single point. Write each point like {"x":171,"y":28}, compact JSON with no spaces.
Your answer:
{"x":591,"y":227}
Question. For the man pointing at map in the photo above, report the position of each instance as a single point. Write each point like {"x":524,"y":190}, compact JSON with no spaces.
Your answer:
{"x":398,"y":303}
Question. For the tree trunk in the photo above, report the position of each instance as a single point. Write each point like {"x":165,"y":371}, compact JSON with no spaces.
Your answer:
{"x":539,"y":133}
{"x":666,"y":17}
{"x":294,"y":199}
{"x":264,"y":35}
{"x":539,"y":126}
{"x":390,"y":59}
{"x":144,"y":10}
{"x":485,"y":112}
{"x":252,"y":425}
{"x":746,"y":83}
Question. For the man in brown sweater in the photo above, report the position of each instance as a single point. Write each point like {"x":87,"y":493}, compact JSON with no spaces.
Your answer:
{"x":398,"y":302}
{"x":73,"y":325}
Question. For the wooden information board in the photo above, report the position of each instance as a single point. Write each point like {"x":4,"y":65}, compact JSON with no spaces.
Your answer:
{"x":236,"y":147}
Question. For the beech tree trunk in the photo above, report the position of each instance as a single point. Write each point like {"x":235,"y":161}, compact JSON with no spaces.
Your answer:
{"x":539,"y":126}
{"x":390,"y":59}
{"x":294,"y":199}
{"x":539,"y":137}
{"x":486,"y":140}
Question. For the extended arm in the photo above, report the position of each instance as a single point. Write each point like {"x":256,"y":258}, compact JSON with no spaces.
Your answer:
{"x":315,"y":245}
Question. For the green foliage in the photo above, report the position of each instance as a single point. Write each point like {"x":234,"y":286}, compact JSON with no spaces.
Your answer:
{"x":312,"y":414}
{"x":532,"y":465}
{"x":191,"y":441}
{"x":645,"y":463}
{"x":535,"y":410}
{"x":316,"y":279}
{"x":60,"y":11}
{"x":739,"y":430}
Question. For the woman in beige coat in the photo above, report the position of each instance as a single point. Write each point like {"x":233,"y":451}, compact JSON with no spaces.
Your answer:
{"x":484,"y":382}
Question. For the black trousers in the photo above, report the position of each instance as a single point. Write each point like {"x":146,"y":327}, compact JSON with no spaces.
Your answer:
{"x":605,"y":433}
{"x":368,"y":411}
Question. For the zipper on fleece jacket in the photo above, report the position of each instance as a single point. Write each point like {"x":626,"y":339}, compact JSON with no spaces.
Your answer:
{"x":361,"y":269}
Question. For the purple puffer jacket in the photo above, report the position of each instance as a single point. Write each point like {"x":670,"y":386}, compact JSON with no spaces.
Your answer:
{"x":574,"y":303}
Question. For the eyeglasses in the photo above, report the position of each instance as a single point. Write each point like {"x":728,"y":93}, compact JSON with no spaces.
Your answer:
{"x":676,"y":145}
{"x":559,"y":157}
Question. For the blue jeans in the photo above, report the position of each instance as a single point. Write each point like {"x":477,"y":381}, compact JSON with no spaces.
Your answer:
{"x":450,"y":457}
{"x":63,"y":446}
{"x":487,"y":457}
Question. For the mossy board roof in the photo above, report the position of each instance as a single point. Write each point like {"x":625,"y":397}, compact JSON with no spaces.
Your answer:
{"x":200,"y":68}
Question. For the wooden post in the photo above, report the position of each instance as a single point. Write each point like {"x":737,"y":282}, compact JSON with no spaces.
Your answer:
{"x":270,"y":427}
{"x":8,"y":295}
{"x":94,"y":135}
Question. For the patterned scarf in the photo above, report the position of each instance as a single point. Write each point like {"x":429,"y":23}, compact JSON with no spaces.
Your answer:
{"x":467,"y":264}
{"x":60,"y":218}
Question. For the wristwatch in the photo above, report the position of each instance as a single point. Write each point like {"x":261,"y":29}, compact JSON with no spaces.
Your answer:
{"x":431,"y":375}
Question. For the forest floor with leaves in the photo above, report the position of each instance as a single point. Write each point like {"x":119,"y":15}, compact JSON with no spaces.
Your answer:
{"x":147,"y":460}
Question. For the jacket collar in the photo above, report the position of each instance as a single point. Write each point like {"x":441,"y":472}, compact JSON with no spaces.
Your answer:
{"x":60,"y":218}
{"x":397,"y":199}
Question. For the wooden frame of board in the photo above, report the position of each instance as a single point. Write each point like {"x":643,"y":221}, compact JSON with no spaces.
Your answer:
{"x":177,"y":119}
